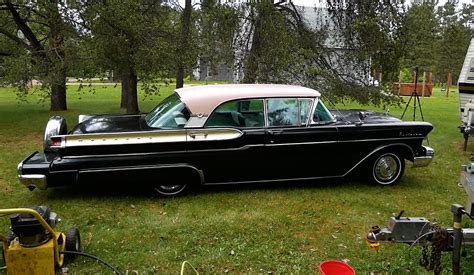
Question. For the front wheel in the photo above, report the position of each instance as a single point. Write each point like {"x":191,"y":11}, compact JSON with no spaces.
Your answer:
{"x":386,"y":169}
{"x":170,"y":190}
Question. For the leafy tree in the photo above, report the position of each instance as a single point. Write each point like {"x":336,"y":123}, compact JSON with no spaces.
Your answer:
{"x":274,"y":44}
{"x":38,"y":31}
{"x":218,"y":25}
{"x":454,"y":40}
{"x":134,"y":39}
{"x":421,"y":31}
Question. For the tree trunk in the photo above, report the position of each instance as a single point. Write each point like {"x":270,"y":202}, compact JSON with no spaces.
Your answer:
{"x":56,"y":59}
{"x":251,"y":62}
{"x":129,"y":87}
{"x":180,"y":77}
{"x":58,"y":93}
{"x":123,"y":100}
{"x":184,"y":42}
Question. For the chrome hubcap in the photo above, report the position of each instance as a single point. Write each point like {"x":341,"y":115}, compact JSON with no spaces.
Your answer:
{"x":170,"y":188}
{"x":386,"y":168}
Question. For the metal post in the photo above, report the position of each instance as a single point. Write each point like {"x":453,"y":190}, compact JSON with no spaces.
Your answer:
{"x":415,"y":94}
{"x":457,"y":211}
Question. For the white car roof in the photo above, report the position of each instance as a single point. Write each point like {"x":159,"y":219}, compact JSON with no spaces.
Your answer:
{"x":204,"y":99}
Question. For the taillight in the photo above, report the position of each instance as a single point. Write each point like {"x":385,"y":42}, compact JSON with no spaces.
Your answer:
{"x":56,"y":142}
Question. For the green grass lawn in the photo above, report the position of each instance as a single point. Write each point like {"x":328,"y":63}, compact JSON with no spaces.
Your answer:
{"x":284,"y":228}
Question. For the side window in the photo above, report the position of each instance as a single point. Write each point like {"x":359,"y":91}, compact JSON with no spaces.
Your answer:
{"x":322,"y":114}
{"x":283,"y":112}
{"x":239,"y":113}
{"x":305,"y":109}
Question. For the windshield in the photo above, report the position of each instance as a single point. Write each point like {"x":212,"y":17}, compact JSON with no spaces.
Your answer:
{"x":170,"y":113}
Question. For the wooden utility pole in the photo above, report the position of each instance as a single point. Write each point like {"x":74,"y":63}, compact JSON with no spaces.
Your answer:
{"x":448,"y":84}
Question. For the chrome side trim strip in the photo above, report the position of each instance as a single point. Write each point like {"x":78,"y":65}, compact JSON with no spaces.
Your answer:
{"x":150,"y":137}
{"x":392,"y":124}
{"x":274,"y":180}
{"x":91,"y":135}
{"x":162,"y":153}
{"x":233,"y":149}
{"x":145,"y":167}
{"x":343,"y":141}
{"x":312,"y":178}
{"x":216,"y":134}
{"x":377,"y":139}
{"x":373,"y":152}
{"x":123,"y":138}
{"x":122,"y":155}
{"x":301,"y":143}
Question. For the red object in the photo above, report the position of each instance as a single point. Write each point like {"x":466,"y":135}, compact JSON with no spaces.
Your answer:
{"x":56,"y":142}
{"x":333,"y":267}
{"x":406,"y":89}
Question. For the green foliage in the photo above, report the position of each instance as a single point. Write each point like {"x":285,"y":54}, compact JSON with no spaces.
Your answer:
{"x":218,"y":24}
{"x":275,"y":44}
{"x":34,"y":35}
{"x":421,"y":28}
{"x":406,"y":75}
{"x":136,"y":34}
{"x":455,"y":36}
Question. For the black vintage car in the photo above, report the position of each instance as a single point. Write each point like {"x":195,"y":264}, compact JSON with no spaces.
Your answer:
{"x":221,"y":134}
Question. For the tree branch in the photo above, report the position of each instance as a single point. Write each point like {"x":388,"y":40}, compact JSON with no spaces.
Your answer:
{"x":25,"y":29}
{"x":14,"y":38}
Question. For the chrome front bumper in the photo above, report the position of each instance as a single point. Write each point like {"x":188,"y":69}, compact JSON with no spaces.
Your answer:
{"x":31,"y":181}
{"x":425,"y":159}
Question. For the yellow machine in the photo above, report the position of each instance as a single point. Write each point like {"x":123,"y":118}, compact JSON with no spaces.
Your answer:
{"x":33,"y":246}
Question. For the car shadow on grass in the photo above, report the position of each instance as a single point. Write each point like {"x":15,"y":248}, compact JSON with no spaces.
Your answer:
{"x":95,"y":190}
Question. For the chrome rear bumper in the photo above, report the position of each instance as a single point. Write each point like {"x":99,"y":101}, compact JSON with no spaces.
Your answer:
{"x":31,"y":181}
{"x":425,"y":159}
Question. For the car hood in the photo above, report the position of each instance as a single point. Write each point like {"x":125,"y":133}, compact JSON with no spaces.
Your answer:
{"x":352,"y":116}
{"x":111,"y":124}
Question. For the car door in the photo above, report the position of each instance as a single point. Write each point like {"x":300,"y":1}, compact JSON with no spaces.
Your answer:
{"x":300,"y":145}
{"x":230,"y":147}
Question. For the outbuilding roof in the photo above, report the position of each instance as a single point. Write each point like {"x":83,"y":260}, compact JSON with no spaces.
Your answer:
{"x":204,"y":99}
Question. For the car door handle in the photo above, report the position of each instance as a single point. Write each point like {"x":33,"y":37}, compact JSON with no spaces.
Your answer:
{"x":275,"y":132}
{"x":198,"y":134}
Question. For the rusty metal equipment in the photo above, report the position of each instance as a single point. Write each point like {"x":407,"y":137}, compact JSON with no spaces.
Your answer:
{"x":420,"y":231}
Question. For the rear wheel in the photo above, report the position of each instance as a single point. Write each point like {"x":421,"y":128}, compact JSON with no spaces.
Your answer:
{"x":170,"y":190}
{"x":386,"y":168}
{"x":176,"y":181}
